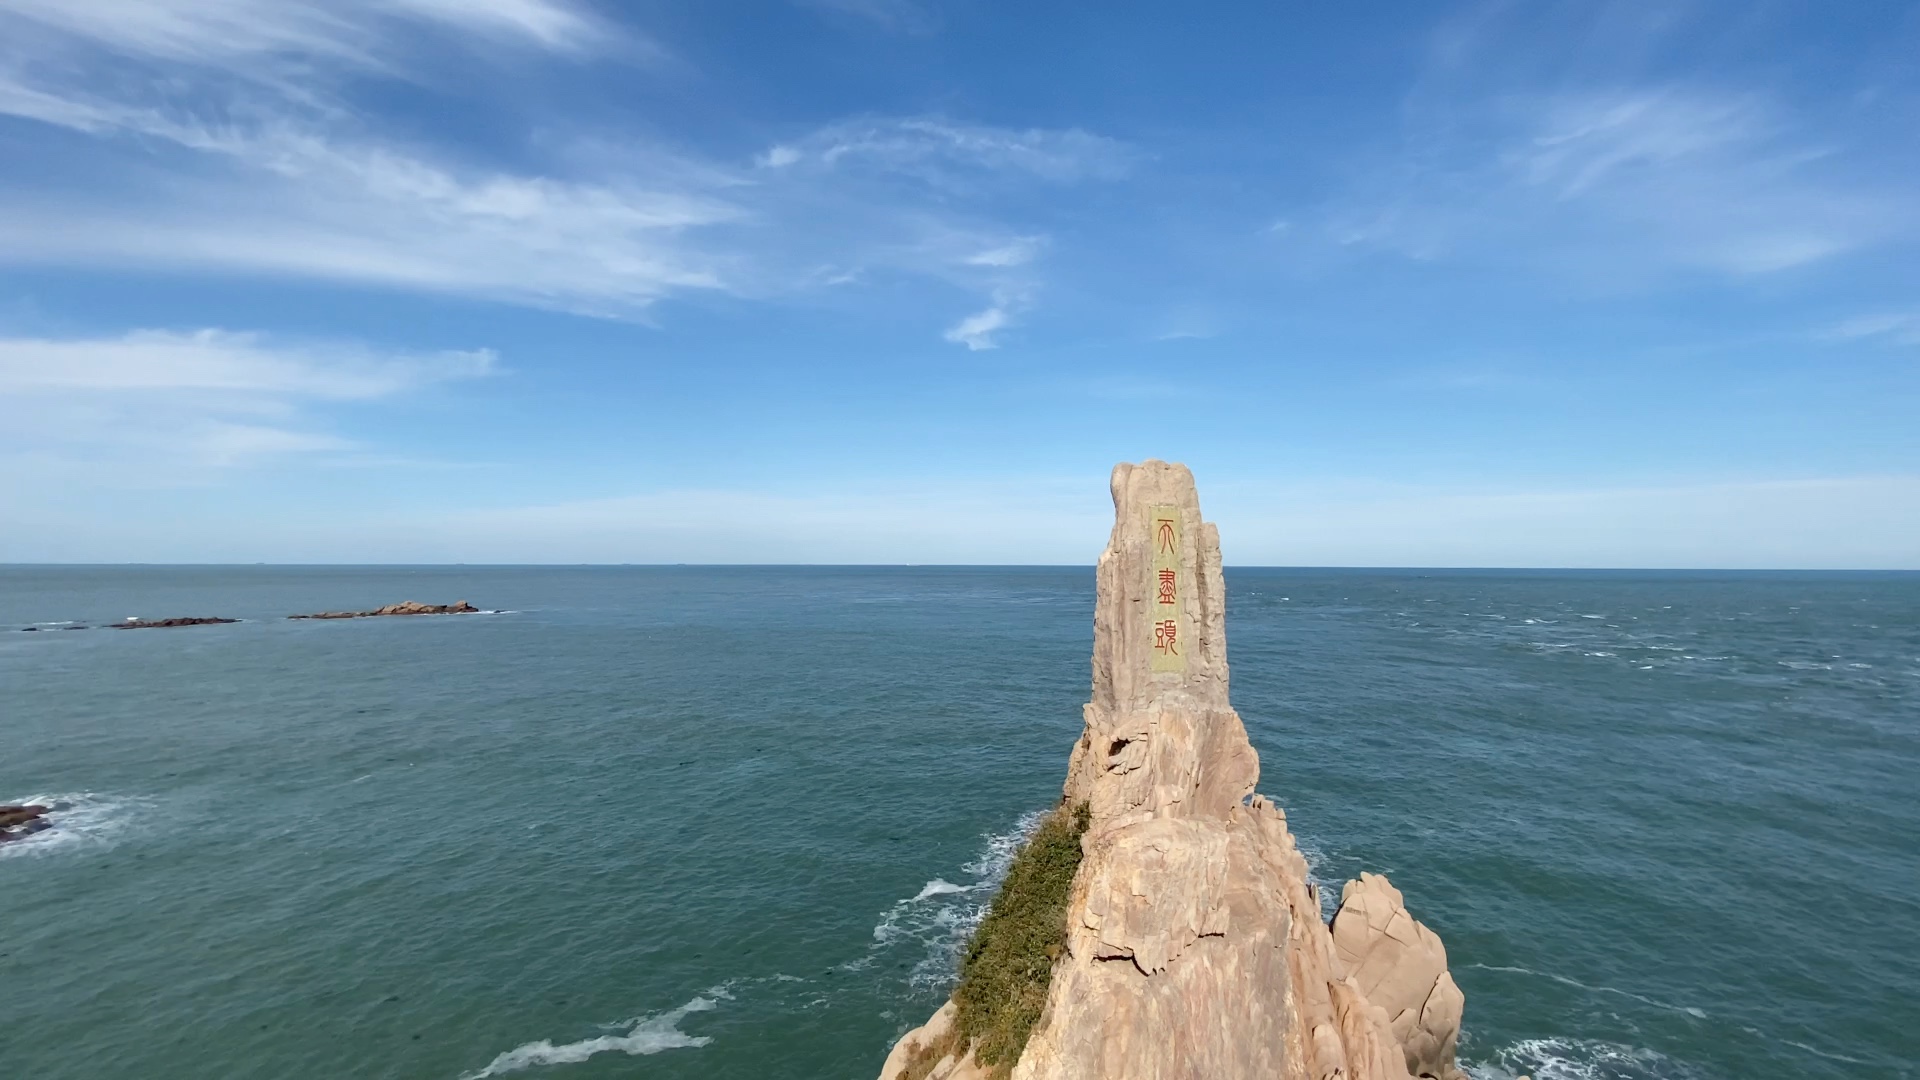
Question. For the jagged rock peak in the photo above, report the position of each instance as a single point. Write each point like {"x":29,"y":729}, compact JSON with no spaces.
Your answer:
{"x":1194,"y":946}
{"x":1161,"y":738}
{"x":1160,"y":625}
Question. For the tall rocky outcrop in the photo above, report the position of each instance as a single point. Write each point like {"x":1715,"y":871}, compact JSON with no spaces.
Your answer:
{"x":1195,"y":946}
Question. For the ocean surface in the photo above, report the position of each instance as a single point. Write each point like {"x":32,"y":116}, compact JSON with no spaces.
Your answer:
{"x":732,"y":823}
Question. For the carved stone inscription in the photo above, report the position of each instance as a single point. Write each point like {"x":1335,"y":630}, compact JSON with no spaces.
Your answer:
{"x":1168,"y":587}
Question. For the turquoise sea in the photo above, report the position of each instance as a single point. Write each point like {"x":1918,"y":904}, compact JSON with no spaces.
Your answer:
{"x":732,"y":822}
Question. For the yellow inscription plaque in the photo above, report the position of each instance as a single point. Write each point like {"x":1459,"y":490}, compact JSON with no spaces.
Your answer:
{"x":1168,"y":587}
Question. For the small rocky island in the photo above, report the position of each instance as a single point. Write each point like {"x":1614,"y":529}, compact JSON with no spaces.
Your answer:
{"x":405,"y":607}
{"x":20,"y":822}
{"x":1162,"y":923}
{"x":408,"y":607}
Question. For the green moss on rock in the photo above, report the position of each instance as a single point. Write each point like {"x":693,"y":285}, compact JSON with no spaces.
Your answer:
{"x":1009,"y":963}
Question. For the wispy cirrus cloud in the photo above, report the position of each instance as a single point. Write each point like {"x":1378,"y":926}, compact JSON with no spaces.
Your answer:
{"x":978,"y":330}
{"x":243,"y":35}
{"x":200,"y":398}
{"x":982,"y":329}
{"x":1545,"y":137}
{"x":1890,"y":328}
{"x":180,"y":170}
{"x":1019,"y":252}
{"x":280,"y":198}
{"x":953,"y":155}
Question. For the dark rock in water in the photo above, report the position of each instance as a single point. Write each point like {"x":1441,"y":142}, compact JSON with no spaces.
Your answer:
{"x":410,"y":607}
{"x":19,"y":814}
{"x":142,"y":624}
{"x":29,"y":629}
{"x":17,"y":822}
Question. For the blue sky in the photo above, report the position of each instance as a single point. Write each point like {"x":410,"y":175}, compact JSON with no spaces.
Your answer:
{"x":1508,"y":284}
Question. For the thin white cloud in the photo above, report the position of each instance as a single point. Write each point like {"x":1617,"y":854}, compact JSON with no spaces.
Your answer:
{"x":223,"y":360}
{"x":951,"y":154}
{"x":187,"y":170}
{"x":977,"y":331}
{"x":1549,"y":136}
{"x":1653,"y":178}
{"x":159,"y":399}
{"x":982,"y":329}
{"x":1897,"y":328}
{"x":283,"y":199}
{"x":778,"y":157}
{"x":237,"y":35}
{"x":277,"y":185}
{"x":1017,"y":253}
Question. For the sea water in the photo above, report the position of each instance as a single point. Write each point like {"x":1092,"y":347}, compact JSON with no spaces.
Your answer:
{"x":735,"y":822}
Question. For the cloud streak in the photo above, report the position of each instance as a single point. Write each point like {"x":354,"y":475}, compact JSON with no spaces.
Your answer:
{"x":187,"y":172}
{"x":1890,"y":328}
{"x":249,"y":36}
{"x":162,"y":398}
{"x":1539,"y":140}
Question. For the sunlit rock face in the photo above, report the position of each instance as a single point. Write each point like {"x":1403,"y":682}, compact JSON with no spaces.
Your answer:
{"x":1195,"y":946}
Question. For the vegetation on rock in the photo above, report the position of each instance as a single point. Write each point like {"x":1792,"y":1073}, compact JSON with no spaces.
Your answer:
{"x":1009,"y":963}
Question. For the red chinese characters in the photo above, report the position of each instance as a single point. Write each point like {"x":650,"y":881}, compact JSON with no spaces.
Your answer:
{"x":1165,"y":635}
{"x":1169,"y":578}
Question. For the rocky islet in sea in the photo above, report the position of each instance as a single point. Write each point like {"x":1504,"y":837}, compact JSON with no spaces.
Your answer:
{"x":21,"y":821}
{"x":1193,"y":944}
{"x":406,"y":607}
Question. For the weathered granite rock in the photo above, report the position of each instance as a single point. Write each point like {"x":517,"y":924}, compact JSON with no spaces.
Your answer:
{"x":1196,"y":949}
{"x":1400,"y":966}
{"x":144,"y":624}
{"x":408,"y":607}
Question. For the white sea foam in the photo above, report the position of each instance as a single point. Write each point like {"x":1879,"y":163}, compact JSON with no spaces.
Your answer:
{"x":937,"y":921}
{"x":1316,"y":859}
{"x":1574,"y":1059}
{"x":76,"y":822}
{"x":939,"y":887}
{"x":644,"y":1035}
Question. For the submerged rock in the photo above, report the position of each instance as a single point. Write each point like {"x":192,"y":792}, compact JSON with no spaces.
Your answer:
{"x":19,"y":822}
{"x":143,"y":624}
{"x":1194,"y":944}
{"x":408,"y":607}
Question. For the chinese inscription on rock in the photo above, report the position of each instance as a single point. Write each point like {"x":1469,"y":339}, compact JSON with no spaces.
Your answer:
{"x":1169,"y":584}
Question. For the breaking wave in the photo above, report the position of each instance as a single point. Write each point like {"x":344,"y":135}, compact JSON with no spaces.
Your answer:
{"x":644,"y":1035}
{"x":933,"y":925}
{"x":1577,"y":1059}
{"x":76,"y":822}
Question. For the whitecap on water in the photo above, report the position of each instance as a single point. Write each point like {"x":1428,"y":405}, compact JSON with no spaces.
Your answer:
{"x":937,"y":921}
{"x":644,"y":1035}
{"x":76,"y":822}
{"x":1576,"y":1059}
{"x":939,"y":887}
